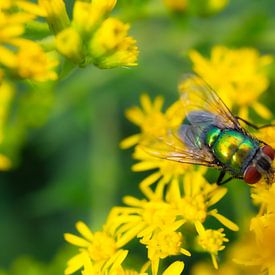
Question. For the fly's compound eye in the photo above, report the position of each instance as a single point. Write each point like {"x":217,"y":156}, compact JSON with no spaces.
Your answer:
{"x":252,"y":175}
{"x":268,"y":150}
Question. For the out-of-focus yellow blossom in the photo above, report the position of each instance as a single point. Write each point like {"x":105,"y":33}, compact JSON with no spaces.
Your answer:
{"x":29,"y":62}
{"x":260,"y":251}
{"x":176,"y":5}
{"x":102,"y":249}
{"x":12,"y":25}
{"x":267,"y":135}
{"x":69,"y":44}
{"x":94,"y":38}
{"x":56,"y":14}
{"x":213,"y":6}
{"x":88,"y":14}
{"x":238,"y":75}
{"x":6,"y":96}
{"x":22,"y":57}
{"x":111,"y":47}
{"x":211,"y":241}
{"x":30,"y":8}
{"x":200,"y":7}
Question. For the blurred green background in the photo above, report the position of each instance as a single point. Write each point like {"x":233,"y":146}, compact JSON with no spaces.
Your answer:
{"x":71,"y":167}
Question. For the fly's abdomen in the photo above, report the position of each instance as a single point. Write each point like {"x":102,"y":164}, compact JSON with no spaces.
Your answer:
{"x":231,"y":148}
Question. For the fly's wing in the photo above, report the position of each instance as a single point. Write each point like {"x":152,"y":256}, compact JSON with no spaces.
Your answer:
{"x":203,"y":106}
{"x":182,"y":145}
{"x":172,"y":147}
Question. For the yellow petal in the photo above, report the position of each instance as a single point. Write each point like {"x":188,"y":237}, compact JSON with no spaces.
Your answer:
{"x":226,"y":222}
{"x":74,"y":264}
{"x":129,"y":141}
{"x":174,"y":269}
{"x":84,"y":230}
{"x":262,"y":110}
{"x":214,"y":261}
{"x":75,"y":240}
{"x":217,"y":195}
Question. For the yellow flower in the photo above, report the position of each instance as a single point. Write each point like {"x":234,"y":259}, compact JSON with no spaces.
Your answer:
{"x":260,"y":250}
{"x":212,"y":241}
{"x":12,"y":25}
{"x":69,"y":44}
{"x":238,"y":75}
{"x":267,"y":135}
{"x":198,"y":196}
{"x":27,"y":6}
{"x":100,"y":248}
{"x":111,"y":47}
{"x":30,"y":62}
{"x":56,"y":14}
{"x":176,"y":5}
{"x":6,"y":97}
{"x":162,"y":244}
{"x":88,"y":14}
{"x":153,"y":222}
{"x":154,"y":124}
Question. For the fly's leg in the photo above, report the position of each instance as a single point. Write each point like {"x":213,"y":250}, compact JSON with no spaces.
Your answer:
{"x":253,"y":125}
{"x":221,"y":177}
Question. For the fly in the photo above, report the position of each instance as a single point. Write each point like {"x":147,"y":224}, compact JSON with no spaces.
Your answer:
{"x":212,"y":136}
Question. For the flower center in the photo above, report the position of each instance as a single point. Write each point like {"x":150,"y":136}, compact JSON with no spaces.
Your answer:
{"x":102,"y":247}
{"x":193,"y":208}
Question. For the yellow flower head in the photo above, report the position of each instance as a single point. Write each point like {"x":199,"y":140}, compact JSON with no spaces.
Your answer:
{"x":56,"y":14}
{"x":141,"y":218}
{"x":212,"y":241}
{"x":163,"y":244}
{"x":30,"y":62}
{"x":6,"y":97}
{"x":111,"y":47}
{"x":87,"y":14}
{"x":12,"y":25}
{"x":154,"y":126}
{"x":176,"y":5}
{"x":101,"y":248}
{"x":267,"y":135}
{"x":197,"y":197}
{"x":238,"y":75}
{"x":69,"y":44}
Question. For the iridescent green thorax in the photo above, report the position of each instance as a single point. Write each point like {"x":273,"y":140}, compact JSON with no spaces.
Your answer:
{"x":232,"y":148}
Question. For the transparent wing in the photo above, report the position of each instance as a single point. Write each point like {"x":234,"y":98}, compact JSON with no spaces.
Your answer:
{"x":203,"y":106}
{"x":173,"y":147}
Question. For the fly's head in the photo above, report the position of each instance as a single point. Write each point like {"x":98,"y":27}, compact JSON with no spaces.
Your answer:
{"x":261,"y":166}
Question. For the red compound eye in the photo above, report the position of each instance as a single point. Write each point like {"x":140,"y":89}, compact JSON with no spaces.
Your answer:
{"x":268,"y":150}
{"x":251,"y":175}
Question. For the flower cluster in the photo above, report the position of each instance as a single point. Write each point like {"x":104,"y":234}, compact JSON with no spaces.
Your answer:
{"x":91,"y":36}
{"x":238,"y":75}
{"x":22,"y":57}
